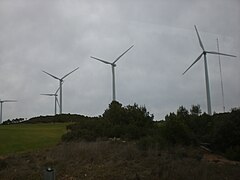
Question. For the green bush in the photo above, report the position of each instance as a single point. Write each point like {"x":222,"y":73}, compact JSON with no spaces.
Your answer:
{"x":176,"y":130}
{"x":130,"y":122}
{"x":226,"y":132}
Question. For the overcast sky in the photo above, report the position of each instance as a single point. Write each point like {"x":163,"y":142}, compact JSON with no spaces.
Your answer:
{"x":60,"y":35}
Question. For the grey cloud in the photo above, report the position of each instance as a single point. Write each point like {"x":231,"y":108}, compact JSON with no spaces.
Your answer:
{"x":58,"y":36}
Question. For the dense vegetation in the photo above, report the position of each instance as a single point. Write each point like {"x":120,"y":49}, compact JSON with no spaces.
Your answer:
{"x":131,"y":122}
{"x":219,"y":132}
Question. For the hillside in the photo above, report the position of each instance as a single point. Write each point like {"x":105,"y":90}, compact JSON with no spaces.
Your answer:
{"x":17,"y":138}
{"x":125,"y":143}
{"x":116,"y":160}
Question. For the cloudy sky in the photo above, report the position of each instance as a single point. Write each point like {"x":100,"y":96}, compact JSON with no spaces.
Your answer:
{"x":60,"y":35}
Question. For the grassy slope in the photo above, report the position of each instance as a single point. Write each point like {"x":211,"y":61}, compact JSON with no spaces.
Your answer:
{"x":25,"y":137}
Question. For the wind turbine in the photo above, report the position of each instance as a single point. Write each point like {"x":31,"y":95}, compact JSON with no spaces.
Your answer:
{"x":1,"y":102}
{"x":113,"y":64}
{"x":60,"y":84}
{"x":204,"y":53}
{"x":55,"y":100}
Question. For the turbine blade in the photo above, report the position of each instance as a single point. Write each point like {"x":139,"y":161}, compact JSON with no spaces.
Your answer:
{"x":57,"y":91}
{"x":69,"y":73}
{"x":122,"y":54}
{"x":51,"y":75}
{"x":193,"y":63}
{"x":48,"y":94}
{"x":218,"y":53}
{"x":9,"y":101}
{"x":106,"y":62}
{"x":199,"y":39}
{"x":57,"y":102}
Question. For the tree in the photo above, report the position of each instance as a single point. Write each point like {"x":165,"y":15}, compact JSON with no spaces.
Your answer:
{"x":114,"y":113}
{"x":182,"y":112}
{"x":196,"y":110}
{"x":226,"y":132}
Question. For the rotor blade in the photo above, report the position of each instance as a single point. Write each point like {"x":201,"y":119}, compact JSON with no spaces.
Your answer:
{"x":213,"y":52}
{"x":8,"y":101}
{"x":199,"y":39}
{"x":106,"y":62}
{"x":57,"y":91}
{"x":48,"y":94}
{"x":51,"y":75}
{"x":57,"y":102}
{"x":122,"y":54}
{"x":69,"y":73}
{"x":193,"y":63}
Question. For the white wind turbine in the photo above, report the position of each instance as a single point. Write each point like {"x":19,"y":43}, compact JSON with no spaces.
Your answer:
{"x":55,"y":100}
{"x":60,"y":85}
{"x":113,"y":64}
{"x":204,"y":53}
{"x":1,"y":102}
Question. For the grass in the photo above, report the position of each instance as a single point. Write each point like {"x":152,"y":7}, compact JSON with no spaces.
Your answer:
{"x":26,"y":137}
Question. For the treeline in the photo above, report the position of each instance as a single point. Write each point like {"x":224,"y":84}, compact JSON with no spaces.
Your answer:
{"x":13,"y":121}
{"x":59,"y":118}
{"x":220,"y":132}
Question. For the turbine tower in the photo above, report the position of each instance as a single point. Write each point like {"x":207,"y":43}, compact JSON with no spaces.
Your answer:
{"x":220,"y":71}
{"x":60,"y":85}
{"x":1,"y":102}
{"x":55,"y":100}
{"x":113,"y":64}
{"x":204,"y":53}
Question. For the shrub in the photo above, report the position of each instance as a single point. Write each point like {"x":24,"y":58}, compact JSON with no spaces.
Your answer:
{"x":130,"y":122}
{"x":176,"y":130}
{"x":226,"y":133}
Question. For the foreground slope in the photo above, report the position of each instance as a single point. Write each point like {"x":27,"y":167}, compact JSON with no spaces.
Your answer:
{"x":116,"y":160}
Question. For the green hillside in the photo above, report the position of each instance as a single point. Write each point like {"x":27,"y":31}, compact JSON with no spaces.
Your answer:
{"x":25,"y":137}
